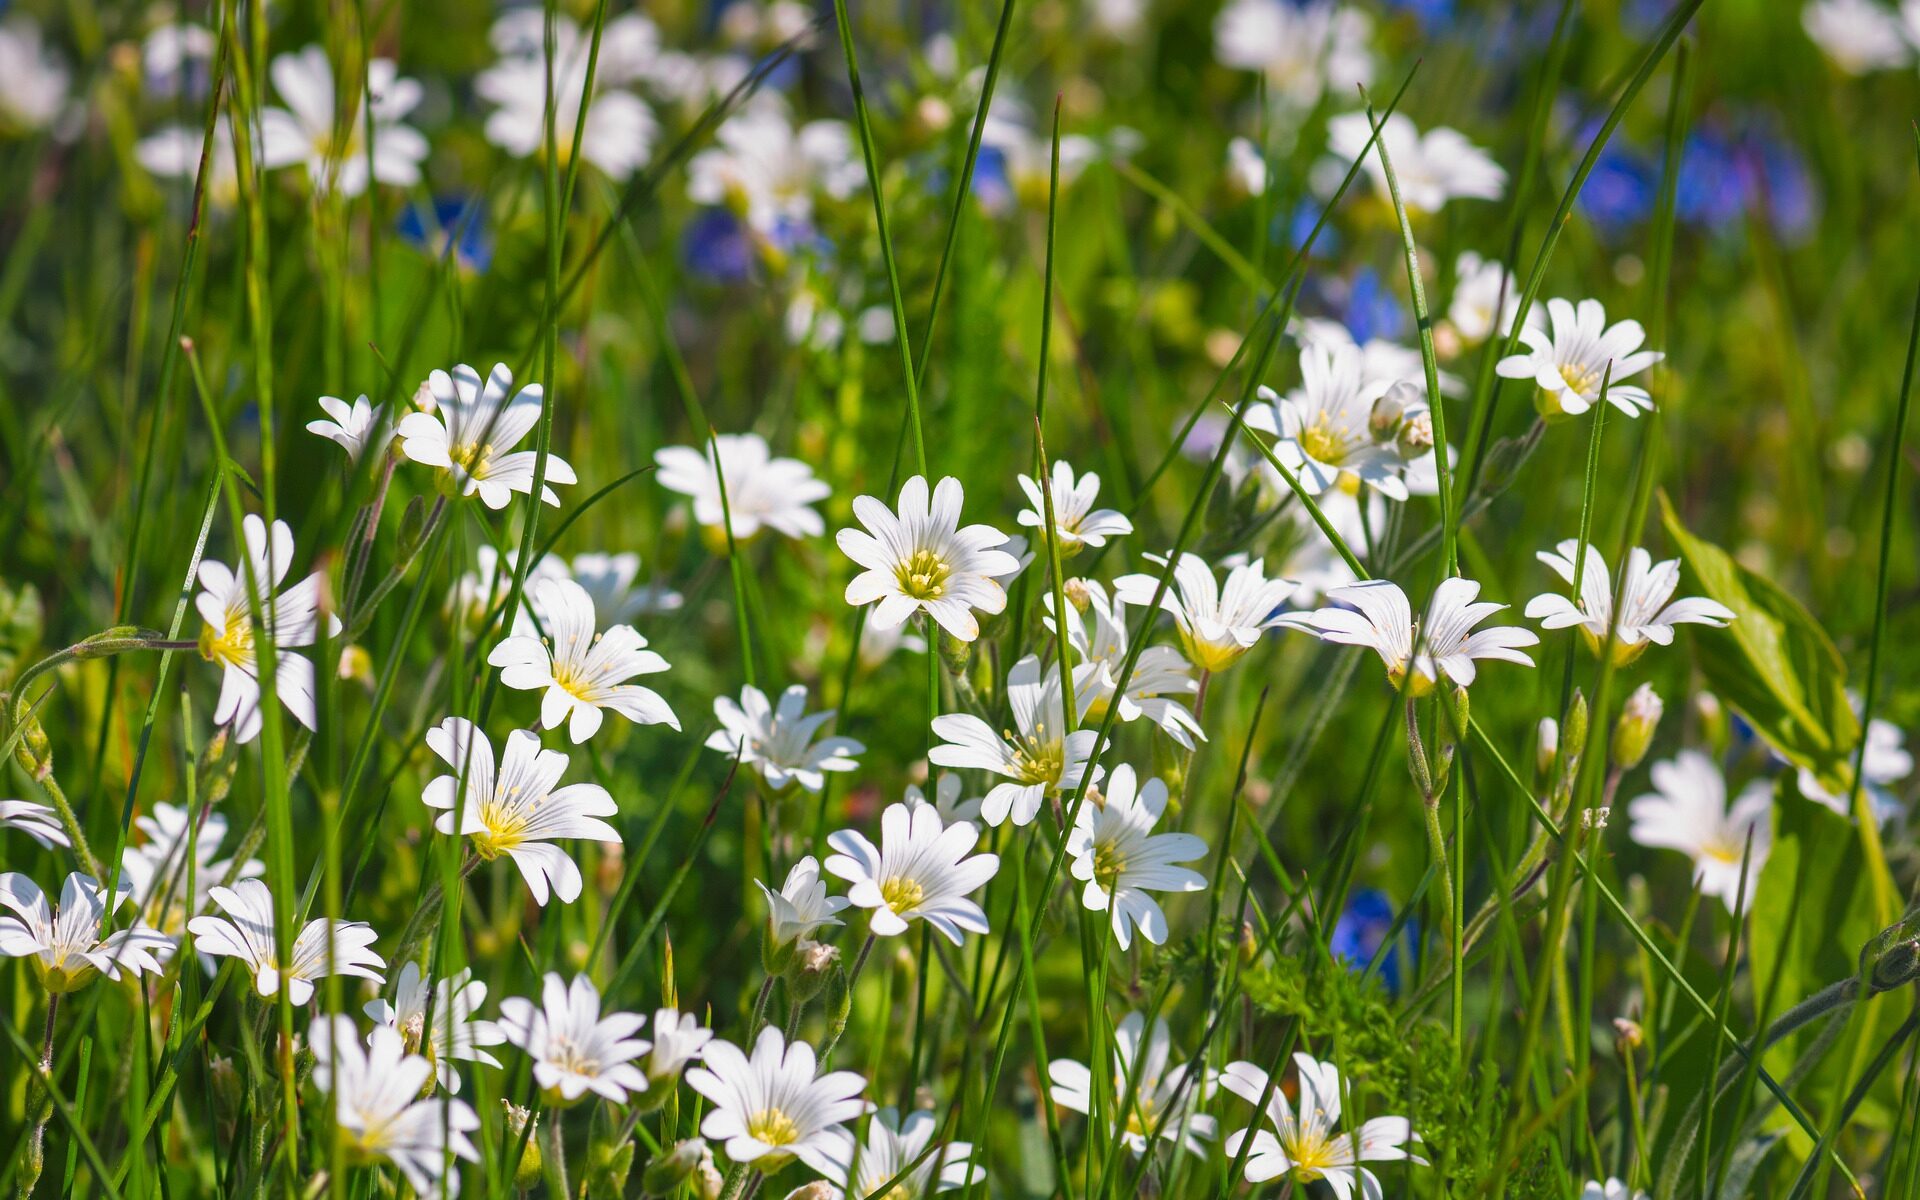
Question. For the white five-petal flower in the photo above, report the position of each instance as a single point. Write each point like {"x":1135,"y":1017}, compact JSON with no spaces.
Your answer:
{"x":802,"y":904}
{"x":775,"y":1107}
{"x":228,"y":637}
{"x":1377,"y":615}
{"x":1308,"y":1144}
{"x":456,"y":1032}
{"x":620,"y":130}
{"x":765,"y":167}
{"x":308,"y":130}
{"x":1569,"y":359}
{"x":1325,"y":426}
{"x":157,"y":868}
{"x":921,"y":559}
{"x":1304,"y":49}
{"x":921,"y":870}
{"x":1038,"y":758}
{"x":1217,"y":625}
{"x":1159,"y":1102}
{"x":1688,"y":812}
{"x":1887,"y":761}
{"x":378,"y":1109}
{"x":1645,"y":616}
{"x":472,"y":428}
{"x":1486,"y":297}
{"x":1120,"y":859}
{"x":576,"y":1050}
{"x":65,"y":946}
{"x":678,"y":1039}
{"x":246,"y":933}
{"x":893,"y":1146}
{"x":353,"y":427}
{"x":778,"y":742}
{"x":761,"y":490}
{"x":1431,"y":168}
{"x":1078,"y":522}
{"x":37,"y":821}
{"x":583,"y":672}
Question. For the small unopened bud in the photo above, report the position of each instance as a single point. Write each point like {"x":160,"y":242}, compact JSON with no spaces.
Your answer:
{"x":1078,"y":594}
{"x":1249,"y":945}
{"x":1628,"y":1036}
{"x":1384,"y":421}
{"x":1416,"y":436}
{"x":101,"y":644}
{"x":707,"y":1181}
{"x":528,"y":1174}
{"x":811,"y":967}
{"x":34,"y":752}
{"x":819,"y":1189}
{"x":1576,"y":730}
{"x":413,"y":527}
{"x":1546,"y":745}
{"x":423,"y":396}
{"x":1634,"y":731}
{"x":1712,"y":715}
{"x":955,"y":653}
{"x":673,"y":1168}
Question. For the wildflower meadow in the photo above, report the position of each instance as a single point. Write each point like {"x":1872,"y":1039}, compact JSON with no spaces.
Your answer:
{"x":1081,"y":599}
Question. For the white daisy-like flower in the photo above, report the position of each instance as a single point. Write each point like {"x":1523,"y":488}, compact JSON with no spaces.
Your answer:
{"x":949,"y":799}
{"x":1612,"y":1189}
{"x":1858,"y":36}
{"x":778,"y":493}
{"x":174,"y":58}
{"x":877,"y":645}
{"x":304,"y":79}
{"x":353,"y":427}
{"x":1376,"y":614}
{"x":610,"y":581}
{"x":1688,"y":812}
{"x":778,"y":742}
{"x":456,"y":1032}
{"x":775,"y":1107}
{"x":470,"y":431}
{"x":1312,"y":562}
{"x":246,"y":933}
{"x":173,"y":152}
{"x":1887,"y":762}
{"x":620,"y":130}
{"x":583,"y":672}
{"x":375,"y":1098}
{"x":1380,"y":358}
{"x":37,"y":821}
{"x":576,"y":1050}
{"x":228,"y":635}
{"x":678,"y":1039}
{"x":920,"y":559}
{"x":1079,"y":523}
{"x":1486,"y":297}
{"x":1308,"y":1145}
{"x":921,"y":870}
{"x":802,"y":904}
{"x":157,"y":868}
{"x":1304,"y":49}
{"x":1026,"y":155}
{"x":1325,"y":426}
{"x":1217,"y":624}
{"x":1569,"y":362}
{"x":1246,"y":167}
{"x":1143,"y":1084}
{"x":1645,"y":616}
{"x":1431,"y":168}
{"x":1038,"y":758}
{"x":768,"y":170}
{"x":33,"y":78}
{"x":65,"y":946}
{"x":1120,"y":859}
{"x":891,"y":1148}
{"x":516,"y":810}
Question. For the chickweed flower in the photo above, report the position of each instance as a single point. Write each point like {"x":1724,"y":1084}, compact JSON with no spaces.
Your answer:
{"x":374,"y":1097}
{"x":1326,"y":427}
{"x":1645,"y":616}
{"x":1120,"y":859}
{"x":761,"y":490}
{"x":678,"y":1039}
{"x":778,"y":742}
{"x":1154,"y":1097}
{"x":920,"y":559}
{"x":768,"y":171}
{"x":1078,"y":522}
{"x":775,"y":1106}
{"x":892,"y":1147}
{"x":1569,"y":362}
{"x":337,"y":159}
{"x":246,"y":933}
{"x":1887,"y":761}
{"x":65,"y":946}
{"x":33,"y":79}
{"x":1378,"y":616}
{"x":920,"y":871}
{"x":228,"y":636}
{"x":610,"y":581}
{"x":583,"y":672}
{"x":470,"y":431}
{"x":516,"y":809}
{"x":620,"y":130}
{"x":353,"y":427}
{"x":1688,"y":812}
{"x":1217,"y":624}
{"x":1040,"y":760}
{"x":1431,"y":168}
{"x":949,"y":799}
{"x":37,"y":821}
{"x":1486,"y":298}
{"x":157,"y":868}
{"x":801,"y":906}
{"x":445,"y":1031}
{"x":1304,"y":50}
{"x":576,"y":1050}
{"x":1309,"y":1145}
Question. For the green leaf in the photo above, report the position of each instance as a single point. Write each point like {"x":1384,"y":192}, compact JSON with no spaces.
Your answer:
{"x":1773,"y":663}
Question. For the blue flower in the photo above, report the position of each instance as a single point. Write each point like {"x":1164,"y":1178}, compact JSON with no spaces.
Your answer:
{"x":991,"y":185}
{"x":1371,"y":309}
{"x":1298,"y":225}
{"x":716,"y":247}
{"x":459,"y":220}
{"x":1620,"y":192}
{"x":1361,"y":931}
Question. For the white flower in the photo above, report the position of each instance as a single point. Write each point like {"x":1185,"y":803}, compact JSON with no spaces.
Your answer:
{"x":37,"y":821}
{"x":1120,"y":859}
{"x":877,"y":645}
{"x":1304,"y":49}
{"x":354,"y":427}
{"x":1645,"y":616}
{"x":455,"y":1034}
{"x":517,"y":810}
{"x":1688,"y":812}
{"x":801,"y":905}
{"x":766,"y":169}
{"x":620,"y":130}
{"x":1217,"y":625}
{"x":1309,"y":1145}
{"x":1858,"y":36}
{"x":469,"y":431}
{"x":1246,"y":167}
{"x":304,"y":80}
{"x":922,"y":560}
{"x":157,"y":868}
{"x":678,"y":1039}
{"x":1026,"y":155}
{"x":947,"y":799}
{"x":1078,"y":522}
{"x":778,"y":742}
{"x":228,"y":636}
{"x":1569,"y":363}
{"x":775,"y":1107}
{"x":1486,"y":297}
{"x":1042,"y":759}
{"x":1612,"y":1189}
{"x":376,"y":1104}
{"x":1379,"y":617}
{"x":921,"y":870}
{"x":1159,"y":674}
{"x":574,"y":1049}
{"x":173,"y":57}
{"x":1380,"y":359}
{"x":1312,"y":563}
{"x":246,"y":933}
{"x":173,"y":152}
{"x":1431,"y":168}
{"x":1325,"y":426}
{"x":892,"y":1147}
{"x":1887,"y":761}
{"x":609,"y":581}
{"x":33,"y":79}
{"x":66,"y":947}
{"x":583,"y":672}
{"x":778,"y":493}
{"x":1159,"y":1097}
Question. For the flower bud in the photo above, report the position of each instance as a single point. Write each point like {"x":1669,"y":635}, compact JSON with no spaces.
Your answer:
{"x":1546,"y":746}
{"x":528,"y":1174}
{"x":1633,"y":733}
{"x":1628,"y":1036}
{"x":673,"y":1168}
{"x":1384,"y":421}
{"x":1077,"y":593}
{"x":809,"y":969}
{"x":1416,"y":436}
{"x":34,"y":752}
{"x":1576,"y":730}
{"x":819,"y":1189}
{"x":1714,"y":727}
{"x":707,"y":1182}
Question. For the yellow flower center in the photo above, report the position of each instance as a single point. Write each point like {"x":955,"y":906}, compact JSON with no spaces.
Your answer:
{"x":232,"y":646}
{"x":1039,"y":758}
{"x":1108,"y":863}
{"x":506,"y":825}
{"x":472,"y":457}
{"x":902,"y":894}
{"x":1323,"y":440}
{"x":773,"y":1127}
{"x":924,"y":576}
{"x":1211,"y":656}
